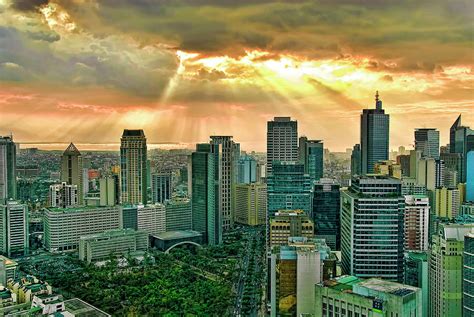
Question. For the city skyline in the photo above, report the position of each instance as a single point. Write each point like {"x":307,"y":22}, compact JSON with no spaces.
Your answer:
{"x":225,"y":67}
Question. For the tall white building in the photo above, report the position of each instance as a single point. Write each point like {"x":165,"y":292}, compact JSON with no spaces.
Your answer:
{"x":417,"y":212}
{"x":152,"y":218}
{"x":13,"y":228}
{"x":63,"y":195}
{"x":282,"y":141}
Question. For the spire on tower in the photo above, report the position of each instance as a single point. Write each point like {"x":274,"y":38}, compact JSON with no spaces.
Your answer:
{"x":378,"y":102}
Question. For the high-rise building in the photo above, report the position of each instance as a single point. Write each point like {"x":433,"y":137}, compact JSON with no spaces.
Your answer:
{"x":388,"y":168}
{"x":294,"y":270}
{"x":356,"y":160}
{"x":352,"y":296}
{"x":326,"y":208}
{"x":133,"y":167}
{"x":447,"y":202}
{"x":468,"y":275}
{"x":374,"y":136}
{"x":7,"y":169}
{"x":128,"y":217}
{"x":463,"y":139}
{"x":411,"y":187}
{"x":107,"y":187}
{"x":427,"y":141}
{"x":446,"y":268}
{"x":151,"y":218}
{"x":452,"y":135}
{"x":416,"y":274}
{"x":251,"y":204}
{"x":417,"y":213}
{"x":415,"y":157}
{"x":226,"y":150}
{"x":178,"y":214}
{"x":63,"y":195}
{"x":470,"y":176}
{"x":64,"y":227}
{"x":14,"y":228}
{"x":282,"y":141}
{"x":311,"y":155}
{"x":289,"y":223}
{"x":288,"y":188}
{"x":247,"y":170}
{"x":404,"y":162}
{"x":453,"y":165}
{"x":204,"y":180}
{"x":371,"y":205}
{"x":71,"y":170}
{"x":430,"y":173}
{"x":161,"y":187}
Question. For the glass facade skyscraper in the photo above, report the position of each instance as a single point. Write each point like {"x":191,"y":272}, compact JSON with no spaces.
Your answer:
{"x":282,"y":141}
{"x":355,"y":160}
{"x":326,"y":208}
{"x":470,"y":176}
{"x":374,"y":136}
{"x":372,"y":235}
{"x":161,"y":187}
{"x":7,"y":168}
{"x":463,"y":139}
{"x":427,"y":141}
{"x":311,"y":154}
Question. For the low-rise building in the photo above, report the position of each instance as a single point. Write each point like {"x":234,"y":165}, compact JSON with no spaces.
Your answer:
{"x":290,"y":223}
{"x":27,"y":287}
{"x":352,"y":296}
{"x":117,"y":242}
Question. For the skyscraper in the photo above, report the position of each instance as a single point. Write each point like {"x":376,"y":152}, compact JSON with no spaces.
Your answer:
{"x":7,"y":168}
{"x":247,"y":170}
{"x":417,"y":213}
{"x":225,"y":148}
{"x":355,"y":160}
{"x":13,"y":228}
{"x":62,"y":195}
{"x":161,"y":187}
{"x":372,"y":241}
{"x":251,"y":204}
{"x":452,"y":135}
{"x":470,"y":176}
{"x":374,"y":136}
{"x":206,"y":214}
{"x":282,"y":141}
{"x":133,"y":167}
{"x":468,"y":275}
{"x":310,"y":153}
{"x":71,"y":170}
{"x":463,"y":139}
{"x":427,"y":141}
{"x":416,"y":274}
{"x":326,"y":208}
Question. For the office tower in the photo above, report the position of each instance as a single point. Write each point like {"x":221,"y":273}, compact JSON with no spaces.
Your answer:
{"x":371,"y":205}
{"x":463,"y":139}
{"x":417,"y":213}
{"x":204,"y":180}
{"x":107,"y":189}
{"x":468,"y":275}
{"x":71,"y":170}
{"x":64,"y":227}
{"x":128,"y":217}
{"x":356,"y":160}
{"x":446,"y":267}
{"x":151,"y":218}
{"x":161,"y":187}
{"x":453,"y":168}
{"x":85,"y":181}
{"x":388,"y":168}
{"x":289,"y":223}
{"x":415,"y":157}
{"x":251,"y":204}
{"x":14,"y":228}
{"x":310,"y":154}
{"x":178,"y":214}
{"x":447,"y":202}
{"x":416,"y":274}
{"x":7,"y":168}
{"x":411,"y":187}
{"x":430,"y":173}
{"x":355,"y":297}
{"x":470,"y":176}
{"x":133,"y":167}
{"x":294,"y":270}
{"x":288,"y":188}
{"x":374,"y":136}
{"x":247,"y":170}
{"x":326,"y":208}
{"x":117,"y":242}
{"x":427,"y":141}
{"x":63,"y":195}
{"x":404,"y":162}
{"x":282,"y":141}
{"x":226,"y":149}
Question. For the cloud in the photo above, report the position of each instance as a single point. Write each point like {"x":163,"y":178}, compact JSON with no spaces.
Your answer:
{"x":28,"y":5}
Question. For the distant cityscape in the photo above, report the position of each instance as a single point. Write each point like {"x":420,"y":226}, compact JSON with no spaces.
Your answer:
{"x":219,"y":231}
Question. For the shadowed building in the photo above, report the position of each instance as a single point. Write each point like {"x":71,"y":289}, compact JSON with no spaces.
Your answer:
{"x":133,"y":167}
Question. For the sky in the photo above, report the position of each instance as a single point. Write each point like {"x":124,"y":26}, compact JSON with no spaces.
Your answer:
{"x":84,"y":70}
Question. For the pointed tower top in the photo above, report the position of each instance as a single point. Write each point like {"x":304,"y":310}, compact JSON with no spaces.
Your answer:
{"x":72,"y":149}
{"x":378,"y":102}
{"x":456,"y":123}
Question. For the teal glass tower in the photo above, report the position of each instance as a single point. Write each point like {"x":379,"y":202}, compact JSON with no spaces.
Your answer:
{"x":311,"y":154}
{"x":374,"y":136}
{"x":206,"y":215}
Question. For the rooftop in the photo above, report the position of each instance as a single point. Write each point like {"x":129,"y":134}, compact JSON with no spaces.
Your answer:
{"x":82,"y":309}
{"x":113,"y":233}
{"x":138,"y":133}
{"x":79,"y":208}
{"x":388,"y":287}
{"x":72,"y":150}
{"x":172,"y":235}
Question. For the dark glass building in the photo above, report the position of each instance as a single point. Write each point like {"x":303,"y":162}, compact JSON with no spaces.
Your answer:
{"x":161,"y":187}
{"x":374,"y":136}
{"x":326,"y":208}
{"x":355,"y":160}
{"x":468,"y":275}
{"x":311,"y":154}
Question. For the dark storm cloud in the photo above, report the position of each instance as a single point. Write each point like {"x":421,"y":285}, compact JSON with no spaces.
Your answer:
{"x":28,"y":5}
